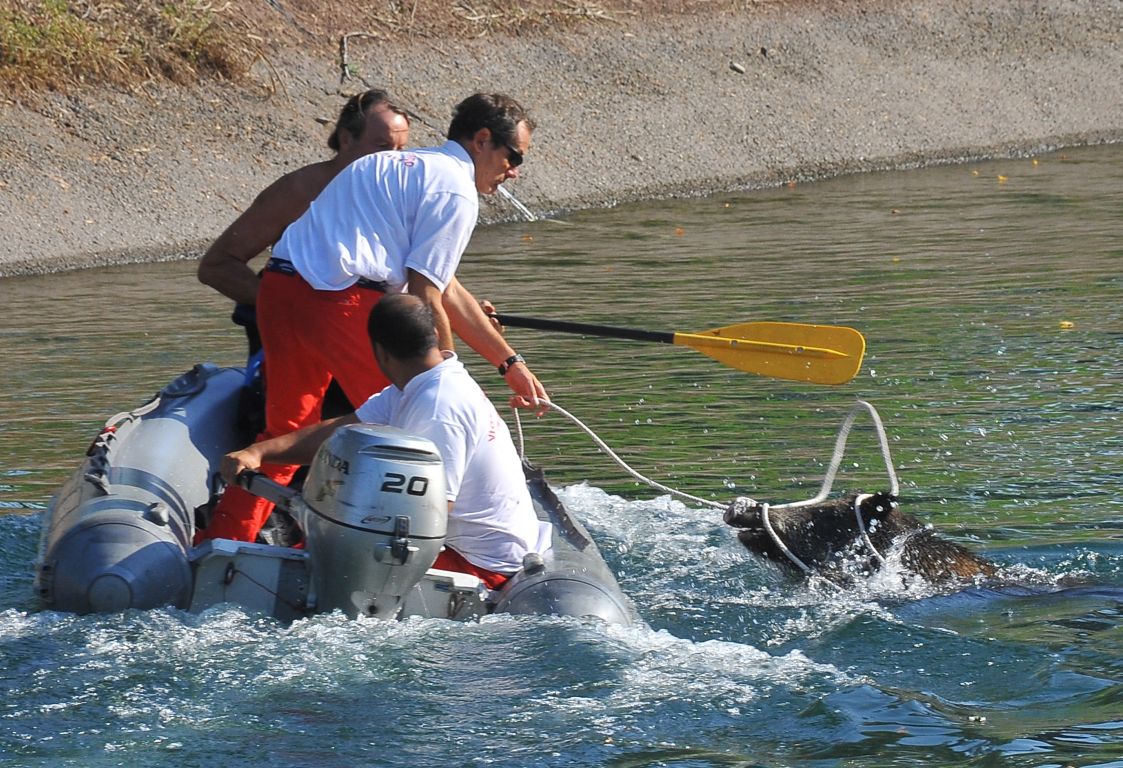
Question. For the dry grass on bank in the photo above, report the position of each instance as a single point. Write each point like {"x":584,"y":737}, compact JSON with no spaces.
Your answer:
{"x":58,"y":45}
{"x":64,"y":44}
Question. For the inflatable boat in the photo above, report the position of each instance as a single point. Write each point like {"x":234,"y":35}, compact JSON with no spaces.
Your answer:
{"x":371,"y":509}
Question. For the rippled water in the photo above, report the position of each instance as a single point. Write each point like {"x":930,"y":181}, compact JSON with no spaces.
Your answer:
{"x":989,"y":295}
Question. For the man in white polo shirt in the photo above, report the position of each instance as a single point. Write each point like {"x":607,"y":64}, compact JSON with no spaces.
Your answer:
{"x":491,"y":523}
{"x":390,"y":222}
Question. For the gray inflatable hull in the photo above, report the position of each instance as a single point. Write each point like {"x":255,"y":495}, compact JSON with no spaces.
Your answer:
{"x":118,"y":534}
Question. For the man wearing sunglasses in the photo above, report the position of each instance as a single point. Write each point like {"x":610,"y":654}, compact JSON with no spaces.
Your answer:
{"x":390,"y":222}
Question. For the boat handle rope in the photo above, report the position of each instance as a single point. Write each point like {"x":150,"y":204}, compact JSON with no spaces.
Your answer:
{"x":98,"y":452}
{"x":232,"y":571}
{"x":861,"y":406}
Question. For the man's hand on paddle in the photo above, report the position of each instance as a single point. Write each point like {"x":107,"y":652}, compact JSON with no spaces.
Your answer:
{"x":491,"y":312}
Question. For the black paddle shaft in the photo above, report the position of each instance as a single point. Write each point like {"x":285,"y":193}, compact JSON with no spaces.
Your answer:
{"x":591,"y":330}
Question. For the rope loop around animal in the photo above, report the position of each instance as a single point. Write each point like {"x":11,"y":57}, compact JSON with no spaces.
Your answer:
{"x":859,"y":407}
{"x":767,"y":523}
{"x":861,"y":497}
{"x":841,"y":439}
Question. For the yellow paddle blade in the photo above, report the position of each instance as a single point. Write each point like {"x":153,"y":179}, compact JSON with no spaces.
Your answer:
{"x":820,"y":354}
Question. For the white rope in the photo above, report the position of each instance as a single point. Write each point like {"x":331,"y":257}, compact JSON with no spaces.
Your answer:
{"x":862,"y":525}
{"x":832,"y":470}
{"x":840,"y":450}
{"x":828,"y":479}
{"x":716,"y":505}
{"x":612,"y":455}
{"x":767,"y":523}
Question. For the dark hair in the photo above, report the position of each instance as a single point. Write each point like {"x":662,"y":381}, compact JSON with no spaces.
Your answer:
{"x":353,"y":116}
{"x":498,"y":113}
{"x":403,"y":325}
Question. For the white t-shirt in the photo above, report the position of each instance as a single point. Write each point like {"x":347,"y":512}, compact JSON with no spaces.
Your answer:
{"x":492,"y":522}
{"x":384,"y":213}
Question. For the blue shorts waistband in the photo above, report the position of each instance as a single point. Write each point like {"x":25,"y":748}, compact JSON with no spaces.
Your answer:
{"x":285,"y":267}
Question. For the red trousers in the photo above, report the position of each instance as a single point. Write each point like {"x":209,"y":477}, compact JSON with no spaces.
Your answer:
{"x":309,"y":336}
{"x":451,"y":560}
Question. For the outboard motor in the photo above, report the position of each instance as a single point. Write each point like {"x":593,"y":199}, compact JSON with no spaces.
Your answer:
{"x":375,"y":518}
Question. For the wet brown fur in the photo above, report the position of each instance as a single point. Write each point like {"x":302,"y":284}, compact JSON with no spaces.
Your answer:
{"x":827,"y":539}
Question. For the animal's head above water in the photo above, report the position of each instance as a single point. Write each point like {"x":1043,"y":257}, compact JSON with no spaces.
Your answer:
{"x":818,"y":535}
{"x":826,"y":537}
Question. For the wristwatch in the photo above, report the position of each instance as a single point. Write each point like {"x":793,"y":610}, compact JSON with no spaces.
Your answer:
{"x":506,"y":364}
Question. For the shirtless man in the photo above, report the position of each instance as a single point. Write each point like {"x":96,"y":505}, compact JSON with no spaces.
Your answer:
{"x":369,"y":122}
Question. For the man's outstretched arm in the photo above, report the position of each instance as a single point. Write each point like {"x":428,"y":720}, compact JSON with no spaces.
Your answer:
{"x":478,"y":331}
{"x":297,"y":447}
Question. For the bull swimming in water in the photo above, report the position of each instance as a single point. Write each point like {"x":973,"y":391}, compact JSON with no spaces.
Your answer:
{"x":851,"y":534}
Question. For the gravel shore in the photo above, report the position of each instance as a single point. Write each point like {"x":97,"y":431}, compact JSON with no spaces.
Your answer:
{"x":627,"y":110}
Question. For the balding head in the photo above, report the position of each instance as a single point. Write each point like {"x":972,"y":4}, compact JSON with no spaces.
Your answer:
{"x":369,"y":122}
{"x":402,"y":324}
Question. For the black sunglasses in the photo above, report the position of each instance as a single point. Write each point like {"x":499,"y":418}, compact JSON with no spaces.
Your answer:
{"x":514,"y":157}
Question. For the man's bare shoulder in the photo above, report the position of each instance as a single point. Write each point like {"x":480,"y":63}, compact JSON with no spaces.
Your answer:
{"x":304,"y":184}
